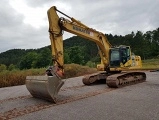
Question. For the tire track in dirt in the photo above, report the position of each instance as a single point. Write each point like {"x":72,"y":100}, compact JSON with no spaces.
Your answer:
{"x":13,"y":113}
{"x":29,"y":96}
{"x":15,"y":98}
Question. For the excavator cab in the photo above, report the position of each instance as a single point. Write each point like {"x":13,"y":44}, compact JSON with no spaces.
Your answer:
{"x":120,"y":56}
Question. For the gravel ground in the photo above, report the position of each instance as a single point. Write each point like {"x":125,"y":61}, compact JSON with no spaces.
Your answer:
{"x":135,"y":102}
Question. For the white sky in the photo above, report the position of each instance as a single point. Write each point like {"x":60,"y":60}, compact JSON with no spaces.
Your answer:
{"x":32,"y":16}
{"x":24,"y":24}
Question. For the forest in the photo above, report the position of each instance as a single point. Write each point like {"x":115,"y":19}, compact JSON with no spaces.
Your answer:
{"x":80,"y":51}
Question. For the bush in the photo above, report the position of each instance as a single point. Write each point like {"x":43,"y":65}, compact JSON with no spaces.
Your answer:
{"x":74,"y":70}
{"x":11,"y":67}
{"x":3,"y":67}
{"x":91,"y":64}
{"x":17,"y":77}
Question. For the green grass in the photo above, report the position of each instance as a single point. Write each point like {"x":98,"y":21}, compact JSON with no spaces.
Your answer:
{"x":150,"y":64}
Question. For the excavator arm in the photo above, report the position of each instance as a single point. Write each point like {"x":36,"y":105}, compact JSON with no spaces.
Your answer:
{"x":58,"y":25}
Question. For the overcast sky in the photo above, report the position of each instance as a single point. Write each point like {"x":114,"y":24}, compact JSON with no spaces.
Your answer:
{"x":24,"y":24}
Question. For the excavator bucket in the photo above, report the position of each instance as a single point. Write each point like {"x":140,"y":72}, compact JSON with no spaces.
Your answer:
{"x":44,"y":87}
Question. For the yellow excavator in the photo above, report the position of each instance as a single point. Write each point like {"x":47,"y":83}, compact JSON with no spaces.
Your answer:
{"x":113,"y":59}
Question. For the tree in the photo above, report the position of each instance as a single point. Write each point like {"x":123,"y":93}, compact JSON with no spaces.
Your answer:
{"x":138,"y":47}
{"x":29,"y":60}
{"x":155,"y":46}
{"x":75,"y":55}
{"x":66,"y":57}
{"x":43,"y":59}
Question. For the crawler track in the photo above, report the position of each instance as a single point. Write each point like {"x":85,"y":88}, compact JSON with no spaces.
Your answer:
{"x":116,"y":80}
{"x":125,"y":79}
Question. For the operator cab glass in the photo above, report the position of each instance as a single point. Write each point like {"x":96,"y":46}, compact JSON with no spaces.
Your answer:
{"x":119,"y":55}
{"x":114,"y":57}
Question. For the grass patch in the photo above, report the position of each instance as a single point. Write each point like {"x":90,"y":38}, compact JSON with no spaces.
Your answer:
{"x":17,"y":77}
{"x":74,"y":70}
{"x":150,"y":64}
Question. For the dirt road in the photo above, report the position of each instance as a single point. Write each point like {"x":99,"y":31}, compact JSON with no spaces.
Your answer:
{"x":77,"y":101}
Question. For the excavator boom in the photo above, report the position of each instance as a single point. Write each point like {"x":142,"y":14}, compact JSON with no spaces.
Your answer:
{"x":58,"y":25}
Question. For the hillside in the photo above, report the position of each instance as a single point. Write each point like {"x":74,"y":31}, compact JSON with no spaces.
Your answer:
{"x":75,"y":47}
{"x":81,"y":51}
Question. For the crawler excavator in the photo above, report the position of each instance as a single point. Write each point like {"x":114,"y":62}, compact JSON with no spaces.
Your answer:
{"x":113,"y":59}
